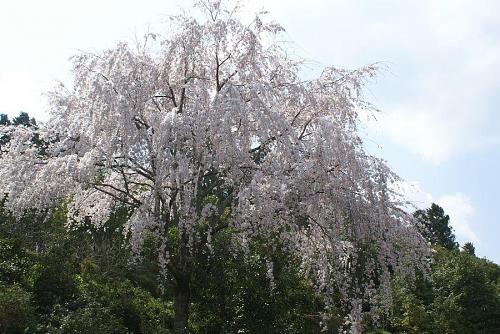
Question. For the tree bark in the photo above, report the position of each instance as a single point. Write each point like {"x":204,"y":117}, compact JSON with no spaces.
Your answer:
{"x":181,"y":307}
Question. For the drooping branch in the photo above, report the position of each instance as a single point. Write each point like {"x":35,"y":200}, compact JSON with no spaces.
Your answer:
{"x":121,"y":191}
{"x":118,"y":198}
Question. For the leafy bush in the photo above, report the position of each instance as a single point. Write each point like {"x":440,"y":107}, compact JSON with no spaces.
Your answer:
{"x":136,"y":308}
{"x":16,"y":310}
{"x":90,"y":319}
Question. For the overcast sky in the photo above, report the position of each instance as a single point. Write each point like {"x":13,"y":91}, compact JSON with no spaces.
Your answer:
{"x":439,"y":128}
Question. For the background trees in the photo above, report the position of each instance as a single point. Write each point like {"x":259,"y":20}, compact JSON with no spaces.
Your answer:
{"x":466,"y":299}
{"x":461,"y":295}
{"x":87,"y":293}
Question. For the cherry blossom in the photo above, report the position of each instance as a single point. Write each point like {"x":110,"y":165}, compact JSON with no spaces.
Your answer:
{"x":211,"y":127}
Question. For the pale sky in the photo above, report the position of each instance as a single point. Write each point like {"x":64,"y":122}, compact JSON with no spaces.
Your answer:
{"x":439,"y":128}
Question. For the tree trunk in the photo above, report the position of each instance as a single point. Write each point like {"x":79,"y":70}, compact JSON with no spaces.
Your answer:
{"x":181,"y":307}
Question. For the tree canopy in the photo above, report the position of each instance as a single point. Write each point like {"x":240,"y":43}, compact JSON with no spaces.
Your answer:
{"x":210,"y":130}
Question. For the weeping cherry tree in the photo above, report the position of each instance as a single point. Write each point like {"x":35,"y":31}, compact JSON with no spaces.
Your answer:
{"x":211,"y":129}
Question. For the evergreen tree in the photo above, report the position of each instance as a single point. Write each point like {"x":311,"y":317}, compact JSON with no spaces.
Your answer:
{"x":4,"y":119}
{"x":23,"y":119}
{"x":436,"y":227}
{"x":469,"y":248}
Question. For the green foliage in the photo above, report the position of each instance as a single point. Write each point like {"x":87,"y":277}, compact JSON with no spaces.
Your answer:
{"x":86,"y":280}
{"x":136,"y":308}
{"x":409,"y":314}
{"x":15,"y":262}
{"x":54,"y":278}
{"x":466,"y":300}
{"x":461,"y":294}
{"x":235,"y":293}
{"x":16,"y":310}
{"x":77,"y":280}
{"x":90,"y":319}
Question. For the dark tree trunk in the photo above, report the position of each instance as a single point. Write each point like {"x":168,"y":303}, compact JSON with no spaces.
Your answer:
{"x":181,"y":307}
